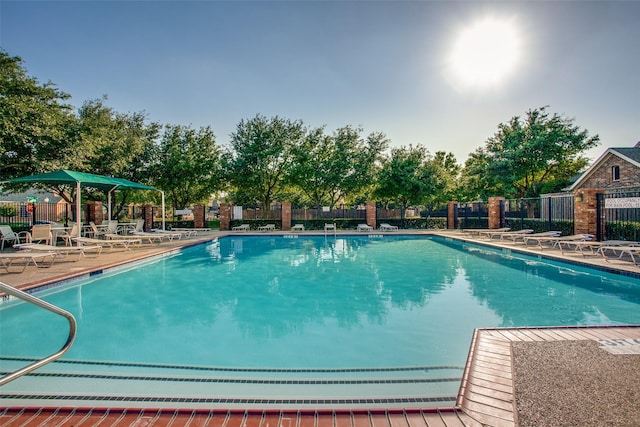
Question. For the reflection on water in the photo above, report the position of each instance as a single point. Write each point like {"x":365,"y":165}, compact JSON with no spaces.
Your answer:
{"x":317,"y":302}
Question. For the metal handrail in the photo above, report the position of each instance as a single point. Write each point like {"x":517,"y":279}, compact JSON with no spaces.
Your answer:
{"x":52,"y":308}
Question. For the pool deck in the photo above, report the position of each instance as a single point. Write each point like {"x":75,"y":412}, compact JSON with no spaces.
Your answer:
{"x":487,"y":394}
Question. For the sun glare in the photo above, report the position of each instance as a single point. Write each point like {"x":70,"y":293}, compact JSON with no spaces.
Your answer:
{"x":485,"y":53}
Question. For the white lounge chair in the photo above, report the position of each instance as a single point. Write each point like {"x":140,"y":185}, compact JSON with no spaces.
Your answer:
{"x":631,"y":251}
{"x":532,"y":237}
{"x":6,"y":260}
{"x":512,"y":235}
{"x":243,"y":227}
{"x":60,"y":251}
{"x":364,"y":227}
{"x":8,"y":235}
{"x":556,"y":241}
{"x":388,"y":227}
{"x":488,"y":232}
{"x":267,"y":227}
{"x":171,"y":235}
{"x":297,"y":227}
{"x":148,"y":237}
{"x":111,"y":244}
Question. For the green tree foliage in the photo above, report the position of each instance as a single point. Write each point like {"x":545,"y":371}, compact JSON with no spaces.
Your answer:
{"x":114,"y":144}
{"x":187,"y":165}
{"x":329,"y":168}
{"x":37,"y":129}
{"x":259,"y":159}
{"x":529,"y":156}
{"x":411,"y":176}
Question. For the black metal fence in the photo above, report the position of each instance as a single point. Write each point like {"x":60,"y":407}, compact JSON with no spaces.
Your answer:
{"x":544,"y":213}
{"x":620,"y":209}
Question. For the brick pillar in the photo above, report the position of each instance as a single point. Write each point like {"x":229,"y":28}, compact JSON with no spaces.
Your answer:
{"x":371,"y":214}
{"x":147,"y":215}
{"x":95,"y":212}
{"x":452,"y":215}
{"x":198,"y":216}
{"x":286,"y":216}
{"x":585,"y":214}
{"x":225,"y":217}
{"x":496,"y":212}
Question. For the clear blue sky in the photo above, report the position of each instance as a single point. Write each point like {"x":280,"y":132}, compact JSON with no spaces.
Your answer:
{"x":381,"y":65}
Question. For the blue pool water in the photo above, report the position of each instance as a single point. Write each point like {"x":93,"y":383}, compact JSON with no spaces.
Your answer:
{"x":315,"y":302}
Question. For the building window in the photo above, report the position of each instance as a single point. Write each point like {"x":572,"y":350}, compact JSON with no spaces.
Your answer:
{"x":615,"y":173}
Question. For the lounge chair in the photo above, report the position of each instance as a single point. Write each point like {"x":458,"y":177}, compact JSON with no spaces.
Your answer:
{"x":488,"y":232}
{"x":593,"y":248}
{"x":111,"y":244}
{"x":364,"y":227}
{"x":8,"y":235}
{"x":243,"y":227}
{"x":512,"y":235}
{"x":556,"y":241}
{"x":631,"y":251}
{"x":184,"y":232}
{"x":6,"y":260}
{"x":387,"y":227}
{"x":148,"y":237}
{"x":532,"y":236}
{"x":60,"y":251}
{"x":267,"y":227}
{"x":40,"y":233}
{"x":297,"y":227}
{"x":170,"y":234}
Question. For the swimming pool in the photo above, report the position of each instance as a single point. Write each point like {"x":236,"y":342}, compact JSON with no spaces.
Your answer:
{"x":365,"y":318}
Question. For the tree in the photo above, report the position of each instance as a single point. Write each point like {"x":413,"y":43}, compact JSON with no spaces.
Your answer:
{"x":37,"y":128}
{"x":259,"y":158}
{"x":442,"y":173}
{"x":402,"y":177}
{"x":329,"y":168}
{"x":187,"y":165}
{"x":114,"y":144}
{"x":526,"y":157}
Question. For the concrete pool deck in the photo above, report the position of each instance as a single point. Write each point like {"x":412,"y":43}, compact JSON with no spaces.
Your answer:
{"x":492,"y":391}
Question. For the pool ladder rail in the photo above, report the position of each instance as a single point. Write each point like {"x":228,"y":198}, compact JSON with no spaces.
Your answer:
{"x":73,"y":326}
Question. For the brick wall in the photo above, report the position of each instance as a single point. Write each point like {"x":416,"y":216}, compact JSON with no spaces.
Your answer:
{"x":496,"y":212}
{"x":371,"y":214}
{"x":584,"y":211}
{"x":286,"y":216}
{"x":601,"y":176}
{"x":225,"y":217}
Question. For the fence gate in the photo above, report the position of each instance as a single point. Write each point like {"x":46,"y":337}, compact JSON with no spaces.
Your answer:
{"x":621,"y":213}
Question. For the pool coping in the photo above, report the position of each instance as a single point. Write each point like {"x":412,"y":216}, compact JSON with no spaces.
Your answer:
{"x":486,"y":395}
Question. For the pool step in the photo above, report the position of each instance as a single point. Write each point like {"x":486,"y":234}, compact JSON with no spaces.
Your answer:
{"x":115,"y":385}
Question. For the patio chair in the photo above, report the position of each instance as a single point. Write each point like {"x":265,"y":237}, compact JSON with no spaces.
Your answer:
{"x":388,"y":227}
{"x":364,"y":227}
{"x":490,"y":233}
{"x":66,"y":236}
{"x":243,"y":227}
{"x":267,"y":227}
{"x":97,"y":231}
{"x":297,"y":227}
{"x":40,"y":233}
{"x":8,"y":235}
